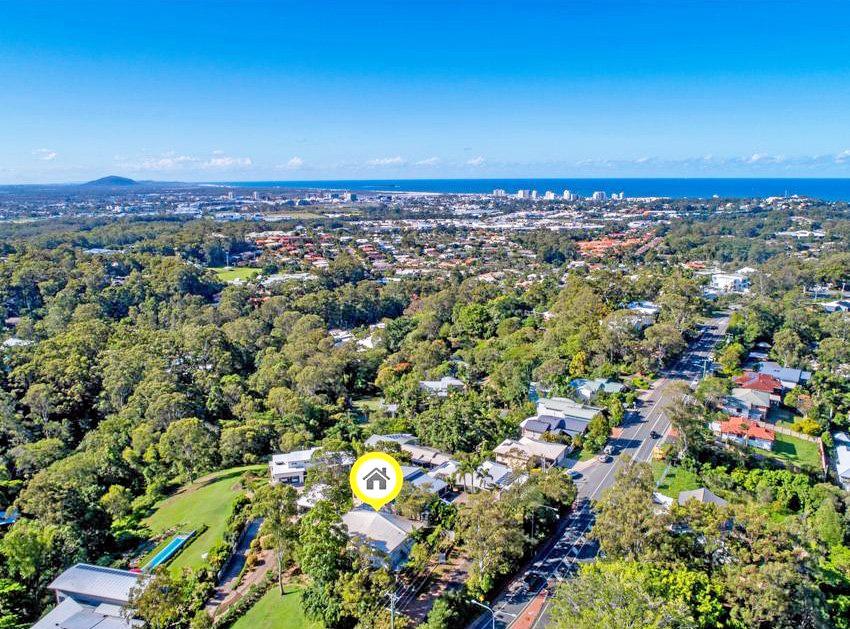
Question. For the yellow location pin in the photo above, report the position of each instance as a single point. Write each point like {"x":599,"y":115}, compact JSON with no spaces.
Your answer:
{"x":376,"y":478}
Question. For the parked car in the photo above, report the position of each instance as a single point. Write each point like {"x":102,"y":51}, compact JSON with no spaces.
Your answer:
{"x":609,"y":450}
{"x":603,"y":458}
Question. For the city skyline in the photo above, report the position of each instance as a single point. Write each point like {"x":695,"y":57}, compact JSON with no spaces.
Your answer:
{"x":381,"y":91}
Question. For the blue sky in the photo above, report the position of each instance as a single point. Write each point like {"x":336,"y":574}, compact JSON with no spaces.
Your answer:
{"x":311,"y":90}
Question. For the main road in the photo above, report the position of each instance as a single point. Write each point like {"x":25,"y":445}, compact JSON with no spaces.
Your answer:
{"x":523,"y":602}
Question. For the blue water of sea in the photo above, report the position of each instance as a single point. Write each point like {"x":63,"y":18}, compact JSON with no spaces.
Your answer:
{"x":828,"y":189}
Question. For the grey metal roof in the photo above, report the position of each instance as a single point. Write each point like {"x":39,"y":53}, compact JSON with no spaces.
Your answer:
{"x":702,"y":495}
{"x":96,"y":583}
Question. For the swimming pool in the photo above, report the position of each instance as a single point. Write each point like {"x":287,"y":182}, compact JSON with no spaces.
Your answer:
{"x":163,"y":555}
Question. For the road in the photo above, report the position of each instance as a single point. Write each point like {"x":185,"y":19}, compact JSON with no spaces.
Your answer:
{"x":569,"y":546}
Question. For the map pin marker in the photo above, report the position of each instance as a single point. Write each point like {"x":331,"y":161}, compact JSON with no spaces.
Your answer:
{"x":376,"y":478}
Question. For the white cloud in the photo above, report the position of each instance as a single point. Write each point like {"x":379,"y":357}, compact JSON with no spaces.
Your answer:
{"x":294,"y":163}
{"x":220,"y":160}
{"x":46,"y":155}
{"x":430,"y":161}
{"x":167,"y":161}
{"x":386,"y":161}
{"x":475,"y":161}
{"x":843,"y":156}
{"x":171,"y":161}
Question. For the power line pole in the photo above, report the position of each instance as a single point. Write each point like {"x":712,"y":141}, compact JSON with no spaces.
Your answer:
{"x":394,"y":598}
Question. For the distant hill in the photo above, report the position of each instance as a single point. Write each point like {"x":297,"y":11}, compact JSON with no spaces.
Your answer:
{"x":111,"y":180}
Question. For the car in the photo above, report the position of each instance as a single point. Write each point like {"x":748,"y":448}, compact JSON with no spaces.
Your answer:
{"x":654,"y":434}
{"x":533,"y":581}
{"x":603,"y":458}
{"x":574,"y":475}
{"x":609,"y":449}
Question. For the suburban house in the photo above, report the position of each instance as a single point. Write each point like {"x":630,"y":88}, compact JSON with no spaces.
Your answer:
{"x":387,"y":534}
{"x":488,"y":475}
{"x":788,"y":376}
{"x":525,"y":451}
{"x":92,"y":597}
{"x":425,"y":456}
{"x":842,"y":458}
{"x":664,"y":503}
{"x":558,"y":416}
{"x":730,"y":282}
{"x":400,"y":438}
{"x":588,"y":389}
{"x":642,"y":314}
{"x":840,"y":305}
{"x":763,"y":382}
{"x":747,"y":403}
{"x":442,"y":387}
{"x":744,"y":432}
{"x":703,"y":495}
{"x":417,"y":477}
{"x":291,"y":467}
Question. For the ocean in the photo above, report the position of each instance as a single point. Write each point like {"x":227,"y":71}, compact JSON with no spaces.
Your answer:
{"x":827,"y":189}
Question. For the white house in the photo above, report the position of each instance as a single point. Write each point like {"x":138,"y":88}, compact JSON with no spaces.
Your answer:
{"x":442,"y":387}
{"x":730,"y":282}
{"x":291,"y":467}
{"x":92,"y":597}
{"x":488,"y":475}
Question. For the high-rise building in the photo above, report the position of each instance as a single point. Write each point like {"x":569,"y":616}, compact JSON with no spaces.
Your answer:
{"x":599,"y":196}
{"x":534,"y":194}
{"x":523,"y":194}
{"x":256,"y":196}
{"x":500,"y":193}
{"x":549,"y":196}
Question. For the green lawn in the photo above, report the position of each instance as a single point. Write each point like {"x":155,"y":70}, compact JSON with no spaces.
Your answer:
{"x":676,"y":480}
{"x":228,"y":274}
{"x":796,"y":451}
{"x":276,"y":612}
{"x":207,"y":502}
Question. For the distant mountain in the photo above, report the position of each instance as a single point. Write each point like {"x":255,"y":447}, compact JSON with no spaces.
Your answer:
{"x":111,"y":180}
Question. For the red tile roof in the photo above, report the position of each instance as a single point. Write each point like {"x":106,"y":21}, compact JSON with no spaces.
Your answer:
{"x":758,"y":382}
{"x":741,"y":427}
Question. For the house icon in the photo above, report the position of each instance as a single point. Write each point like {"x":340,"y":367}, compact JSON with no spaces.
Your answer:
{"x":378,"y":476}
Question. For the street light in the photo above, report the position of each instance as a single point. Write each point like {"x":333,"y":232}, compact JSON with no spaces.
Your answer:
{"x":488,"y":608}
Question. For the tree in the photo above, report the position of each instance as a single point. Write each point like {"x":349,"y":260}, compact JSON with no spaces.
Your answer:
{"x":276,"y":505}
{"x":189,"y":446}
{"x":828,"y":524}
{"x":491,"y":539}
{"x":167,"y":601}
{"x":13,"y":598}
{"x":787,"y":347}
{"x":33,"y":552}
{"x":730,"y":358}
{"x":117,"y":501}
{"x":626,"y":522}
{"x":323,"y":557}
{"x":608,"y":594}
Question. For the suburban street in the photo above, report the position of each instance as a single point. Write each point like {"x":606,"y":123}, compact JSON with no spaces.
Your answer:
{"x":524,"y":601}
